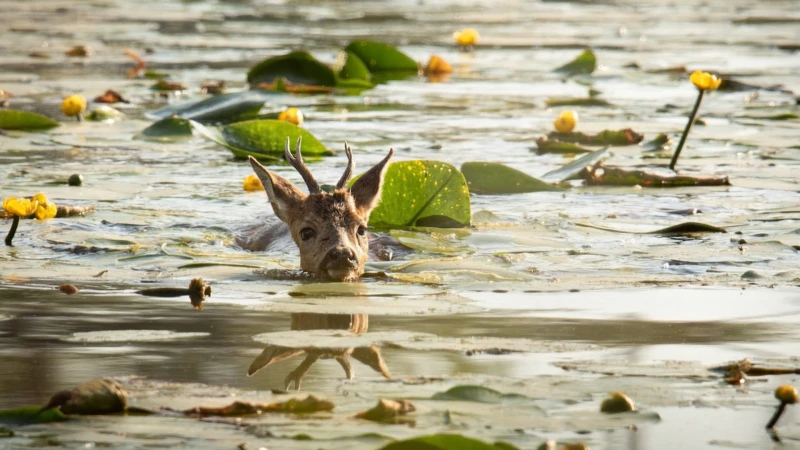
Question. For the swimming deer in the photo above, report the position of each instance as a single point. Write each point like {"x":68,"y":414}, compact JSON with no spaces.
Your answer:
{"x":329,"y":228}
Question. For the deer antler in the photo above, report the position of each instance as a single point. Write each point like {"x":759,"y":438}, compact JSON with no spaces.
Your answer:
{"x":299,"y":165}
{"x":348,"y":172}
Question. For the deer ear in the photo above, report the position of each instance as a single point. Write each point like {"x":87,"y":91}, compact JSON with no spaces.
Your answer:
{"x":283,"y":195}
{"x":366,"y":191}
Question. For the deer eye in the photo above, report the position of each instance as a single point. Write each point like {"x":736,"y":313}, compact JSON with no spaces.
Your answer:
{"x":307,"y":233}
{"x":362,"y":230}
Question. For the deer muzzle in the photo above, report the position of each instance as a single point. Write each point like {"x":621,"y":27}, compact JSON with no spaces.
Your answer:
{"x":340,"y":263}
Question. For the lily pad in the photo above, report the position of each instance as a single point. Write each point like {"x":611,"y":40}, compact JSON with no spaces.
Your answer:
{"x":131,"y":336}
{"x":171,"y":129}
{"x":297,"y":67}
{"x":496,"y":178}
{"x":584,"y":64}
{"x":12,"y":119}
{"x":616,"y":176}
{"x":445,"y":442}
{"x":378,"y":57}
{"x":353,"y":67}
{"x":224,"y":108}
{"x":476,"y":394}
{"x":30,"y":415}
{"x":605,"y":137}
{"x":416,"y":190}
{"x":262,"y":139}
{"x":569,"y":171}
{"x":545,"y":145}
{"x":579,"y":101}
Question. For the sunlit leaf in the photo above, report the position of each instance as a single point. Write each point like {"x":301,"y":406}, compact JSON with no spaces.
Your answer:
{"x":353,"y":67}
{"x":171,"y":129}
{"x":30,"y":415}
{"x":378,"y":57}
{"x":297,"y":67}
{"x":12,"y":119}
{"x":445,"y":442}
{"x":496,"y":178}
{"x":616,"y":176}
{"x":224,"y":108}
{"x":585,"y":63}
{"x":473,"y":393}
{"x":429,"y":242}
{"x":605,"y":137}
{"x":416,"y":190}
{"x":569,"y":171}
{"x":308,"y":405}
{"x":262,"y":139}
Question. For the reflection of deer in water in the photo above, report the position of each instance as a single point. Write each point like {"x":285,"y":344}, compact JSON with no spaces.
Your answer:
{"x":356,"y":323}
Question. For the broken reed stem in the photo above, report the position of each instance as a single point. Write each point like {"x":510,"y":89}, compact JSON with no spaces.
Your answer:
{"x":688,"y":128}
{"x":12,"y":231}
{"x":776,"y":416}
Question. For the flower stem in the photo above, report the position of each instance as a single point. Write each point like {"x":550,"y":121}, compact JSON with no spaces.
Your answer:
{"x":776,"y":416}
{"x":12,"y":231}
{"x":688,"y":128}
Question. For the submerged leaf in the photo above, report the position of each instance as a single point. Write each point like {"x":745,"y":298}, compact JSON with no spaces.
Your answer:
{"x":297,"y":67}
{"x":476,"y":394}
{"x":445,"y":442}
{"x":379,"y":57}
{"x":585,"y":63}
{"x":605,"y":137}
{"x":586,"y":101}
{"x":262,"y":139}
{"x":416,"y":190}
{"x":308,"y":405}
{"x":616,"y":176}
{"x":171,"y":129}
{"x":224,"y":108}
{"x":389,"y":411}
{"x":496,"y":178}
{"x":12,"y":119}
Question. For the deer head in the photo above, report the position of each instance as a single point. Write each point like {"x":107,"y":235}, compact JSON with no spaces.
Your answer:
{"x":330,"y":229}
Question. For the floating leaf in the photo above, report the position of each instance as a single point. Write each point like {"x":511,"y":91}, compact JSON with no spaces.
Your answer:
{"x":12,"y":119}
{"x":476,"y":394}
{"x":781,"y":116}
{"x":166,"y":85}
{"x":429,"y":242}
{"x":104,"y":113}
{"x":445,"y":442}
{"x":496,"y":178}
{"x":389,"y":411}
{"x":378,"y":57}
{"x":605,"y":137}
{"x":171,"y":129}
{"x":681,"y":228}
{"x":587,"y":101}
{"x":569,"y":171}
{"x":660,"y":142}
{"x":585,"y":63}
{"x":308,"y":405}
{"x":262,"y":139}
{"x":297,"y":67}
{"x":353,"y":67}
{"x":98,"y":396}
{"x":416,"y":190}
{"x":224,"y":108}
{"x":545,"y":145}
{"x":616,"y":176}
{"x":30,"y":415}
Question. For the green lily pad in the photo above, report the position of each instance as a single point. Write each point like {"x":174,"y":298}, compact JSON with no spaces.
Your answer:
{"x":605,"y":137}
{"x":171,"y":129}
{"x":496,"y":178}
{"x":476,"y":394}
{"x":12,"y":119}
{"x":585,"y":101}
{"x":378,"y":57}
{"x":223,"y":108}
{"x":584,"y":64}
{"x":297,"y":67}
{"x":662,"y":142}
{"x":414,"y":191}
{"x":353,"y":67}
{"x":569,"y":171}
{"x":30,"y":415}
{"x":446,"y":442}
{"x":104,"y":113}
{"x":616,"y":176}
{"x":429,"y":242}
{"x":545,"y":145}
{"x":781,"y":116}
{"x":264,"y":140}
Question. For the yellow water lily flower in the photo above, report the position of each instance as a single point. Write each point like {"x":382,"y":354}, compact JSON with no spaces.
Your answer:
{"x":566,"y":121}
{"x":45,"y":209}
{"x":787,"y":394}
{"x":292,"y":115}
{"x":705,"y":80}
{"x":20,"y":207}
{"x":466,"y":37}
{"x":252,"y":183}
{"x":437,"y":65}
{"x":73,"y":105}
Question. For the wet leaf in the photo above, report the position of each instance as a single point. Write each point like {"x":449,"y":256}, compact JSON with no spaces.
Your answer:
{"x":445,"y":442}
{"x":545,"y":145}
{"x":584,"y":64}
{"x":415,"y":190}
{"x":605,"y":137}
{"x":262,"y":139}
{"x":98,"y":396}
{"x":616,"y":176}
{"x":496,"y":178}
{"x":476,"y":394}
{"x":171,"y":129}
{"x":662,"y":142}
{"x":429,"y":242}
{"x":781,"y":116}
{"x":681,"y":228}
{"x":12,"y":119}
{"x":389,"y":411}
{"x":569,"y":171}
{"x":617,"y":402}
{"x":110,"y":96}
{"x":168,"y":86}
{"x":308,"y":405}
{"x":30,"y":415}
{"x":104,"y":113}
{"x":380,"y":57}
{"x":353,"y":67}
{"x":224,"y":108}
{"x":587,"y":101}
{"x":299,"y":68}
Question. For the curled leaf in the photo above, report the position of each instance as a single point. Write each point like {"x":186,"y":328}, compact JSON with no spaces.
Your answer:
{"x":583,"y":64}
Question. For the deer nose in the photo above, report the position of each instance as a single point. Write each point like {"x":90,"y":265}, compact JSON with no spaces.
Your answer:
{"x":341,"y":257}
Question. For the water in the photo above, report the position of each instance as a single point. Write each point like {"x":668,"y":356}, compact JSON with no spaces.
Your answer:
{"x":652,"y":310}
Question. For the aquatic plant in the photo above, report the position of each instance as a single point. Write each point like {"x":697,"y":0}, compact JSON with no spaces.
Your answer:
{"x":25,"y":207}
{"x":704,"y":81}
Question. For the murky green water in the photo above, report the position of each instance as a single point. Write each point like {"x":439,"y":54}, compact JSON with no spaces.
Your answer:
{"x":574,"y":311}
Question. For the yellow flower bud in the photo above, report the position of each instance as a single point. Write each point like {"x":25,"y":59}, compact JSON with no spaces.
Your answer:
{"x":437,"y":65}
{"x":73,"y":105}
{"x":21,"y":207}
{"x":292,"y":115}
{"x":252,"y":183}
{"x":705,"y":80}
{"x":566,"y":121}
{"x":466,"y":37}
{"x":787,"y":394}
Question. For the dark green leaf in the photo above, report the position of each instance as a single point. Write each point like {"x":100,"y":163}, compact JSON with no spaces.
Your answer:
{"x":12,"y":119}
{"x":496,"y":178}
{"x":476,"y":394}
{"x":353,"y":86}
{"x":353,"y":67}
{"x":588,"y":101}
{"x":262,"y":139}
{"x":426,"y":191}
{"x":782,"y":116}
{"x":444,"y":442}
{"x":378,"y":57}
{"x":385,"y":76}
{"x":297,"y":67}
{"x":171,"y":129}
{"x":585,"y":63}
{"x":605,"y":137}
{"x":690,"y":227}
{"x":568,"y":171}
{"x":544,"y":145}
{"x":223,"y":108}
{"x":30,"y":415}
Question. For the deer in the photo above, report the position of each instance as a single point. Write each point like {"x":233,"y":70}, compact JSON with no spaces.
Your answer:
{"x":329,"y":228}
